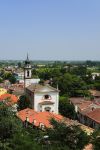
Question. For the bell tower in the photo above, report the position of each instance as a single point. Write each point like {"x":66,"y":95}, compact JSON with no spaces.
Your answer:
{"x":27,"y":71}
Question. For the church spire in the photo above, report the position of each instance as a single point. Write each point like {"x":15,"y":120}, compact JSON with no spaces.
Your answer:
{"x":27,"y":60}
{"x":27,"y":57}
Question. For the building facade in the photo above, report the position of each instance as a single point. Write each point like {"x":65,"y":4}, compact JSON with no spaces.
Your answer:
{"x":43,"y":97}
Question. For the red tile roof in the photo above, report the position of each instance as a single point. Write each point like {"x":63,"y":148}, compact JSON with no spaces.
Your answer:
{"x":94,"y":115}
{"x":44,"y":118}
{"x":38,"y":117}
{"x":9,"y":97}
{"x":84,"y":105}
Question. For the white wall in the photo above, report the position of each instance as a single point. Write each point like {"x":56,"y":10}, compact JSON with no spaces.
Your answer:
{"x":38,"y":97}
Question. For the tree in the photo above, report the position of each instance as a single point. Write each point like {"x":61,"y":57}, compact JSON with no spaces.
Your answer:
{"x":70,"y":84}
{"x":12,"y":79}
{"x":73,"y":137}
{"x":23,"y":102}
{"x":19,"y":65}
{"x":9,"y":124}
{"x":96,"y":139}
{"x":80,"y":70}
{"x":1,"y":80}
{"x":66,"y":109}
{"x":12,"y":134}
{"x":97,"y":83}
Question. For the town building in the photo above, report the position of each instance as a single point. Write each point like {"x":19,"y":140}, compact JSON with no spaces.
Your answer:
{"x":38,"y":119}
{"x":95,"y":74}
{"x":43,"y":97}
{"x":28,"y":80}
{"x":2,"y":91}
{"x":19,"y":75}
{"x":42,"y":120}
{"x":88,"y":111}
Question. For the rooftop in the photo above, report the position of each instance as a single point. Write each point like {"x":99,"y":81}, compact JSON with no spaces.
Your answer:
{"x":9,"y":98}
{"x":44,"y":117}
{"x":39,"y":117}
{"x":41,"y":88}
{"x":94,"y":115}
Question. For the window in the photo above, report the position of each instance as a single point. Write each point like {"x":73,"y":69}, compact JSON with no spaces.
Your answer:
{"x":47,"y":96}
{"x":28,"y":73}
{"x":47,"y":109}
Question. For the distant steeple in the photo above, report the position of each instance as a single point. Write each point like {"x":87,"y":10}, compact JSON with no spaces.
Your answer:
{"x":27,"y":60}
{"x":27,"y":57}
{"x":27,"y":71}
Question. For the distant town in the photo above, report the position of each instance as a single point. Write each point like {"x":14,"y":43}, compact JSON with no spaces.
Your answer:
{"x":49,"y":105}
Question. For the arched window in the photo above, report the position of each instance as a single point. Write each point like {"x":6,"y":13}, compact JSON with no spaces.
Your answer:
{"x":28,"y":73}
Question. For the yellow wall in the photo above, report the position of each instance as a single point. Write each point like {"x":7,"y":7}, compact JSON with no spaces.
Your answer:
{"x":2,"y":91}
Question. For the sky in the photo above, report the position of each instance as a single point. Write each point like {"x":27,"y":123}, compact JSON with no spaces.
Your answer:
{"x":50,"y":29}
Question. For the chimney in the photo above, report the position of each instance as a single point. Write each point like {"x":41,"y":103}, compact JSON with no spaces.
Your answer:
{"x":34,"y":121}
{"x":27,"y":119}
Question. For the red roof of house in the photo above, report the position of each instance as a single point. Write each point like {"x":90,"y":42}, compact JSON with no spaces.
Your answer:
{"x":84,"y":105}
{"x":94,"y":115}
{"x":10,"y":97}
{"x":44,"y":117}
{"x":38,"y":117}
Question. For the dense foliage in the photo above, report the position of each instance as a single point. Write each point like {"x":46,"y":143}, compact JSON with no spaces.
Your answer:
{"x":66,"y":109}
{"x":71,"y":137}
{"x":14,"y":136}
{"x":23,"y":103}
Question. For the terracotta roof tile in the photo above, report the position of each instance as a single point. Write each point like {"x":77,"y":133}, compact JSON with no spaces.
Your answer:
{"x":11,"y":98}
{"x":44,"y":117}
{"x":94,"y":115}
{"x":84,"y":105}
{"x":40,"y":117}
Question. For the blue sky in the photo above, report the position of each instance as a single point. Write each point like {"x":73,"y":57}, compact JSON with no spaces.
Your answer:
{"x":50,"y":29}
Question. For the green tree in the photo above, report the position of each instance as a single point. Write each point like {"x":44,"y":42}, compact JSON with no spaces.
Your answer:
{"x":19,"y":65}
{"x":66,"y":109}
{"x":23,"y":102}
{"x":9,"y":124}
{"x":70,"y":84}
{"x":12,"y":134}
{"x":96,"y":139}
{"x":71,"y":136}
{"x":12,"y":79}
